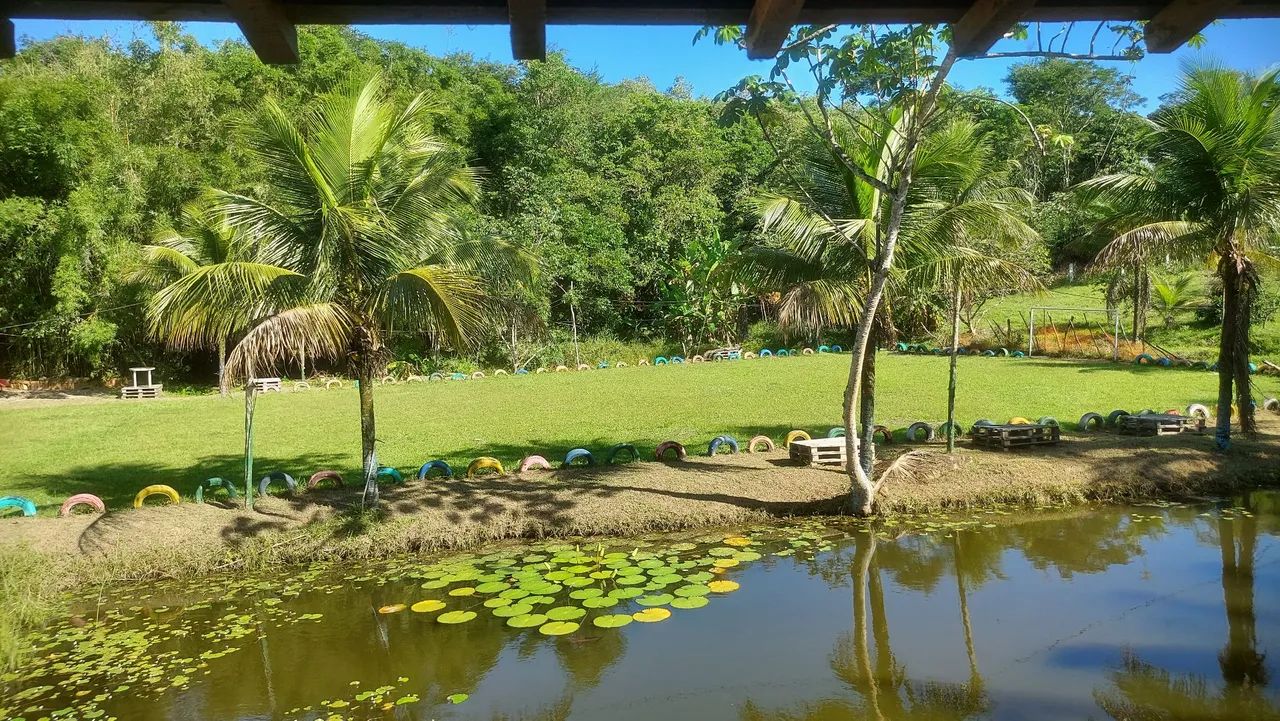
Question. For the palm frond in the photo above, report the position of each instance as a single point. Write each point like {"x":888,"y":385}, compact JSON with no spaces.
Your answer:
{"x":212,"y":302}
{"x":318,"y":330}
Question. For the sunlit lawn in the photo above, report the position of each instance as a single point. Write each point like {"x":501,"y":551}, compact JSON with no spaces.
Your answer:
{"x":113,"y":448}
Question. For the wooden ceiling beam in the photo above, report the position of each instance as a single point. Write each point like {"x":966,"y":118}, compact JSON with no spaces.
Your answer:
{"x":985,"y":22}
{"x":8,"y":39}
{"x":1179,"y":21}
{"x":769,"y":25}
{"x":267,"y":29}
{"x":528,"y":29}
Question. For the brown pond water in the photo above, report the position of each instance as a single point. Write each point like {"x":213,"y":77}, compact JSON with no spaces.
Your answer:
{"x":1152,"y":612}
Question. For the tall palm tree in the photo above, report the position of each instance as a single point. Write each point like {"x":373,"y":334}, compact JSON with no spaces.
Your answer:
{"x":359,"y":236}
{"x":1212,"y":190}
{"x":200,"y":237}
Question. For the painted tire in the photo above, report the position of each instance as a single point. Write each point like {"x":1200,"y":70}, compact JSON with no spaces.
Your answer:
{"x":458,"y":377}
{"x":319,"y":476}
{"x":1143,"y":359}
{"x":902,"y":347}
{"x":919,"y":426}
{"x":577,"y":453}
{"x":483,"y":463}
{"x":719,"y":441}
{"x":677,"y":359}
{"x":660,"y":361}
{"x":836,"y":432}
{"x":435,"y":377}
{"x":540,"y":370}
{"x":562,"y":369}
{"x":837,"y":349}
{"x":477,"y":375}
{"x":1272,"y":404}
{"x":522,"y":372}
{"x":531,"y":462}
{"x":28,"y":506}
{"x":301,"y":386}
{"x":1196,"y":410}
{"x":1172,"y":412}
{"x":937,"y":351}
{"x":602,"y":365}
{"x":697,"y":359}
{"x":1047,"y":421}
{"x":824,"y":349}
{"x":332,"y":383}
{"x":642,"y":362}
{"x":416,"y":379}
{"x":80,"y":499}
{"x":157,"y":490}
{"x":884,"y":433}
{"x":1147,"y":412}
{"x":499,"y":372}
{"x":213,"y":484}
{"x":620,"y":448}
{"x":764,"y":441}
{"x":1114,"y":416}
{"x":1018,"y":354}
{"x":942,"y":429}
{"x":446,"y":471}
{"x":1200,"y":366}
{"x":388,"y":381}
{"x":1164,"y":362}
{"x":796,"y":436}
{"x":390,"y":473}
{"x":807,"y":351}
{"x":1003,"y":352}
{"x":620,"y":364}
{"x":766,"y":353}
{"x":748,"y":355}
{"x":584,"y":367}
{"x":782,"y":353}
{"x":1020,"y":421}
{"x":265,"y":482}
{"x":983,"y":422}
{"x":1091,"y":422}
{"x":660,"y":452}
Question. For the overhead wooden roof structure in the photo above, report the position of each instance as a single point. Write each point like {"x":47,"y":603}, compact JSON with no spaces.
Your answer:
{"x":270,"y":25}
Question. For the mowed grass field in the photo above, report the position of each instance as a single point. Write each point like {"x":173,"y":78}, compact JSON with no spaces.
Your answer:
{"x":113,"y":448}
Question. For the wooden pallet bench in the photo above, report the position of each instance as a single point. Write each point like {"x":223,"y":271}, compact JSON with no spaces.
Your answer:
{"x":262,"y":385}
{"x":1159,"y":424}
{"x":818,"y":451}
{"x":141,"y":391}
{"x":1007,"y":436}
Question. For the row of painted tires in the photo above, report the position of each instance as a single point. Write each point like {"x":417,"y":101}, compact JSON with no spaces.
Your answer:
{"x":923,"y":349}
{"x":1148,"y":359}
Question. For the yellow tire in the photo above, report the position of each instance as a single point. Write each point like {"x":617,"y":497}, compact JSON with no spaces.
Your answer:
{"x":796,"y":436}
{"x":480,"y":464}
{"x":807,"y":351}
{"x":561,"y":369}
{"x":156,"y":490}
{"x":1020,"y":421}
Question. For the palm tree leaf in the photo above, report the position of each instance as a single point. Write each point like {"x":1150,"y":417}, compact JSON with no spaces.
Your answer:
{"x":315,"y":330}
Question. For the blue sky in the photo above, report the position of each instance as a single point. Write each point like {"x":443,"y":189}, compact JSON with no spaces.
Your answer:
{"x":662,"y":54}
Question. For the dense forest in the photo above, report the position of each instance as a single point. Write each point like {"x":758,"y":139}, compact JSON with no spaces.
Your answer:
{"x":632,"y":198}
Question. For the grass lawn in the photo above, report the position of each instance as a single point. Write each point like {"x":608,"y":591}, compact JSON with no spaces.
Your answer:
{"x":113,"y":448}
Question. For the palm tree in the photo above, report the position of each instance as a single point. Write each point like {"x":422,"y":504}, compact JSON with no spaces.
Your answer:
{"x":359,"y":236}
{"x":1212,"y":190}
{"x":1173,"y":297}
{"x":200,"y":238}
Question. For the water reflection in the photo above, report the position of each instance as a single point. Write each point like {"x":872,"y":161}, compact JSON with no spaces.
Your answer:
{"x":1142,"y":691}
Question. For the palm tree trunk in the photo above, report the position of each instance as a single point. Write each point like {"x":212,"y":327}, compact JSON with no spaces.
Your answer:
{"x":952,"y":372}
{"x":1228,"y":345}
{"x":867,"y":406}
{"x":223,"y":388}
{"x":365,"y":361}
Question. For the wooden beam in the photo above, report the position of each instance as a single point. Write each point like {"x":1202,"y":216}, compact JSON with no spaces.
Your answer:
{"x":269,"y":31}
{"x":1179,"y":21}
{"x":8,"y":39}
{"x":769,"y":25}
{"x":985,"y":22}
{"x":528,"y":29}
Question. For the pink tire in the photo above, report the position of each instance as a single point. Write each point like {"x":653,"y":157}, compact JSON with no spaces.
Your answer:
{"x":318,"y":476}
{"x":665,"y":446}
{"x":81,"y":499}
{"x":531,"y":462}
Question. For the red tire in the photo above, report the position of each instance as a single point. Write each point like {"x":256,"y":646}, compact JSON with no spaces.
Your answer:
{"x":531,"y":462}
{"x":318,"y":476}
{"x":81,"y":499}
{"x":665,"y":446}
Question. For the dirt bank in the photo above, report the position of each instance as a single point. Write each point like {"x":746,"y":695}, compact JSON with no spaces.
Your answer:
{"x":625,"y":500}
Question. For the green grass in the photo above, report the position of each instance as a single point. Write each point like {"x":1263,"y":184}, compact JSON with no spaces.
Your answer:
{"x":113,"y":448}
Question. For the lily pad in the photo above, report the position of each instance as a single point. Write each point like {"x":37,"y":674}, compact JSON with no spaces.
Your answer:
{"x":657,"y":599}
{"x":599,"y":602}
{"x":457,"y":698}
{"x":453,"y":617}
{"x":578,"y":582}
{"x":631,"y":580}
{"x":737,"y":541}
{"x":565,"y":613}
{"x":615,"y":620}
{"x":725,"y":562}
{"x":427,"y":606}
{"x":690,"y":602}
{"x":625,"y":593}
{"x":518,"y":609}
{"x":558,"y":628}
{"x":496,"y":602}
{"x":392,"y":608}
{"x":585,"y":593}
{"x":515,"y":593}
{"x":651,"y":615}
{"x":492,"y":587}
{"x":692,"y":590}
{"x":528,"y":620}
{"x":462,"y":591}
{"x":723,"y":586}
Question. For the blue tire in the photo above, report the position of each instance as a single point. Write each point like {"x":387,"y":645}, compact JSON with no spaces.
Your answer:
{"x":660,"y":361}
{"x":718,"y":441}
{"x":1164,"y":362}
{"x":782,"y":353}
{"x":837,"y":349}
{"x":989,"y":353}
{"x":266,"y":481}
{"x":824,"y":349}
{"x":522,"y":372}
{"x":577,"y":453}
{"x":437,"y":465}
{"x":765,"y":353}
{"x":677,"y":359}
{"x":390,"y":473}
{"x":1143,"y":359}
{"x":26,"y":504}
{"x":836,"y":432}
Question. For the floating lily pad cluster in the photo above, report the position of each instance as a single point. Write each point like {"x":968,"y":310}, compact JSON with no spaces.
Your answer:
{"x":558,"y":588}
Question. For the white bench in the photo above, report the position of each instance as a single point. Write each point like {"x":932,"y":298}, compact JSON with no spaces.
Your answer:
{"x":262,"y":385}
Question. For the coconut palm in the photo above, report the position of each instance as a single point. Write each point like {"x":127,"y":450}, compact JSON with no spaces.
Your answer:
{"x":199,"y":238}
{"x":1212,"y":190}
{"x":1172,"y":297}
{"x":359,"y":235}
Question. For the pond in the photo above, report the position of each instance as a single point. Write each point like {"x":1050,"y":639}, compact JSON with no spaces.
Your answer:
{"x":1151,"y":612}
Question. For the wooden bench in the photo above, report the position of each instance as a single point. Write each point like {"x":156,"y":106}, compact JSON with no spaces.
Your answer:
{"x":724,"y":353}
{"x":818,"y":451}
{"x":262,"y":385}
{"x":143,"y":385}
{"x":1159,"y":424}
{"x":1008,"y":436}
